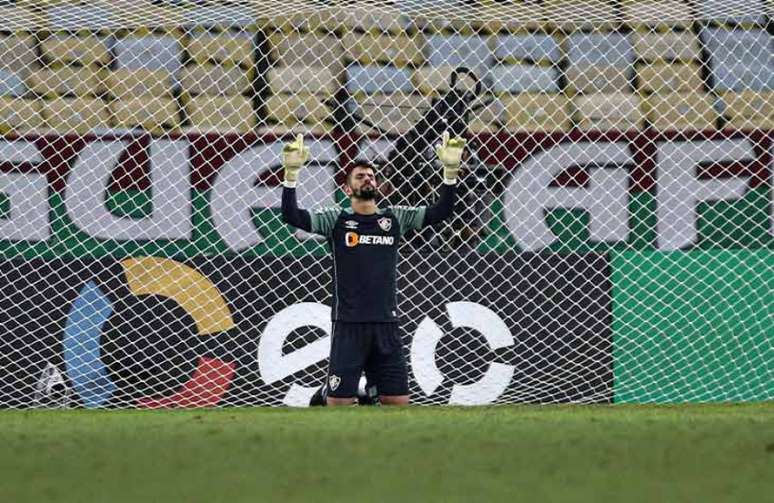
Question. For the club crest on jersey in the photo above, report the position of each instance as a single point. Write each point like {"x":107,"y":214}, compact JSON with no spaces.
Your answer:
{"x":385,"y":224}
{"x":333,"y":382}
{"x":350,"y":224}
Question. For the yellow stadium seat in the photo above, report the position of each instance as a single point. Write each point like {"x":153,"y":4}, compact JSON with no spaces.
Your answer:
{"x":291,"y":109}
{"x":597,"y":78}
{"x":488,"y":119}
{"x":152,"y":113}
{"x":226,"y":48}
{"x":571,"y":15}
{"x":680,"y":111}
{"x":306,"y":49}
{"x":667,"y":46}
{"x":750,"y":109}
{"x":66,"y":81}
{"x":614,"y":111}
{"x":66,"y":49}
{"x":371,"y":48}
{"x":535,"y":112}
{"x":214,"y":80}
{"x":19,"y":115}
{"x":310,"y":20}
{"x":302,"y":79}
{"x":221,"y":114}
{"x":18,"y":53}
{"x":395,"y":113}
{"x":431,"y":81}
{"x":666,"y":78}
{"x":130,"y":83}
{"x":657,"y":12}
{"x":75,"y":115}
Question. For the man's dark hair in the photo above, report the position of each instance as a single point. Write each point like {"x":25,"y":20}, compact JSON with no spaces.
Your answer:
{"x":359,"y":164}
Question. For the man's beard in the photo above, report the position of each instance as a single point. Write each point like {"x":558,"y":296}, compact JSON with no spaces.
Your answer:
{"x":366,"y":193}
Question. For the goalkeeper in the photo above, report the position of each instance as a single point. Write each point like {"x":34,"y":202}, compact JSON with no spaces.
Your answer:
{"x":364,"y":242}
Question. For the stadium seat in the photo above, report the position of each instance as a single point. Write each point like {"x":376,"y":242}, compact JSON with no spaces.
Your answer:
{"x":666,"y":46}
{"x":668,"y":78}
{"x":313,"y":19}
{"x":226,"y":48}
{"x":394,"y":113}
{"x":302,"y":79}
{"x":75,"y":16}
{"x":11,"y":84}
{"x":609,"y":112}
{"x":18,"y":53}
{"x":671,"y":13}
{"x":214,"y":80}
{"x":152,"y":113}
{"x":431,"y":81}
{"x":64,"y":49}
{"x":738,"y":46}
{"x":24,"y":18}
{"x":489,"y":119}
{"x":524,"y":78}
{"x":308,"y":49}
{"x":589,"y":79}
{"x":221,"y":113}
{"x":377,"y":79}
{"x":150,"y":52}
{"x":290,"y":109}
{"x":680,"y":111}
{"x":18,"y":115}
{"x":75,"y":115}
{"x":527,"y":47}
{"x":221,"y":14}
{"x":374,"y":48}
{"x":496,"y":17}
{"x":123,"y":84}
{"x":66,"y":81}
{"x":536,"y":112}
{"x":144,"y":13}
{"x":612,"y":49}
{"x":743,"y":76}
{"x":748,"y":12}
{"x":473,"y":52}
{"x":382,"y":19}
{"x":570,"y":15}
{"x":749,"y":109}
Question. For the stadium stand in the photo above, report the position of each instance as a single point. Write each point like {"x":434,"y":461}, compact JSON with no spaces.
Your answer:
{"x":681,"y":111}
{"x":19,"y":115}
{"x":599,"y":62}
{"x":66,"y":81}
{"x":75,"y":115}
{"x":69,"y":49}
{"x":749,"y":109}
{"x":215,"y":80}
{"x":394,"y":113}
{"x":221,"y":113}
{"x":225,"y":48}
{"x":611,"y":111}
{"x":668,"y":77}
{"x":536,"y":112}
{"x":19,"y":54}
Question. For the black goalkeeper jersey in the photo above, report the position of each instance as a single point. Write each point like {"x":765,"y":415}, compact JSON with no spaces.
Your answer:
{"x":365,"y":259}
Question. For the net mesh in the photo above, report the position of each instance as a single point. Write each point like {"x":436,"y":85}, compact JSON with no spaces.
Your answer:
{"x":612,"y":240}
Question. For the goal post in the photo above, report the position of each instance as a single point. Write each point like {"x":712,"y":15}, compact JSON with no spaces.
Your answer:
{"x":612,"y":240}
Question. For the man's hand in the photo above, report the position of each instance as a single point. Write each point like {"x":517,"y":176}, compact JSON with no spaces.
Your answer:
{"x":294,"y":155}
{"x":450,"y":154}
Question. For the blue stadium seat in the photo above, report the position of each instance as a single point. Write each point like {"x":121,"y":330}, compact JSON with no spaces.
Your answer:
{"x":533,"y":47}
{"x":457,"y":50}
{"x":149,"y":52}
{"x":523,"y":78}
{"x":743,"y":76}
{"x":613,"y":49}
{"x":11,"y":84}
{"x":738,"y":45}
{"x":372,"y":79}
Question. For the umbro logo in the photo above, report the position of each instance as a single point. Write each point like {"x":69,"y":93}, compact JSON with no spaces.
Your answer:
{"x":350,"y":224}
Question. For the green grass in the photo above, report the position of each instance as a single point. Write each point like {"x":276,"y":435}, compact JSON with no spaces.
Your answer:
{"x":509,"y":453}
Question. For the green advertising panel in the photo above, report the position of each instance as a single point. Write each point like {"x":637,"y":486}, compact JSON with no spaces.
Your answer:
{"x":693,"y":326}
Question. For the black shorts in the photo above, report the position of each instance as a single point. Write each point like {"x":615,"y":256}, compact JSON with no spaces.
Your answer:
{"x":373,"y":347}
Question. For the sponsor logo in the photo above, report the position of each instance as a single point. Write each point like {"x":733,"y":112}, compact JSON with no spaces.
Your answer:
{"x":333,"y":382}
{"x":350,"y":224}
{"x":385,"y":224}
{"x":353,"y":239}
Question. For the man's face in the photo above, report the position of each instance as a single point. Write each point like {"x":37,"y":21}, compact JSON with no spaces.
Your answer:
{"x":362,"y":183}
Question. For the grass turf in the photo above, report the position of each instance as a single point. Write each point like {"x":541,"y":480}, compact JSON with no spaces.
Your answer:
{"x":702,"y":453}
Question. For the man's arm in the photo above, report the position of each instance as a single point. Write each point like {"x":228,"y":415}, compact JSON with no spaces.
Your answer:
{"x":291,"y":213}
{"x":294,"y":155}
{"x":443,"y":208}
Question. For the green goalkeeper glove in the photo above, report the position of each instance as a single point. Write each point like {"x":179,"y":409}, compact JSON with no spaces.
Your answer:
{"x":294,"y":155}
{"x":450,"y":154}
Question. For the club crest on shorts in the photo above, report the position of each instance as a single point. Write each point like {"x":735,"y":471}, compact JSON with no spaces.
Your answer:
{"x":333,"y":382}
{"x":350,"y":224}
{"x":385,"y":223}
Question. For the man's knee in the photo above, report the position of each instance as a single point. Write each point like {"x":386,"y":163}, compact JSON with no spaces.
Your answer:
{"x":334,"y":401}
{"x":394,"y":399}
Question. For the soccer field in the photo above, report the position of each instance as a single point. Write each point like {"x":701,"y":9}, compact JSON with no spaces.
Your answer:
{"x":506,"y":453}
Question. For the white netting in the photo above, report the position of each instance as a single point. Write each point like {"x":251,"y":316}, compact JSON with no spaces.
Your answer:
{"x":612,"y":241}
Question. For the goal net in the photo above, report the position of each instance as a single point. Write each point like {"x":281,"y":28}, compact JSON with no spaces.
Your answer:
{"x":612,"y":240}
